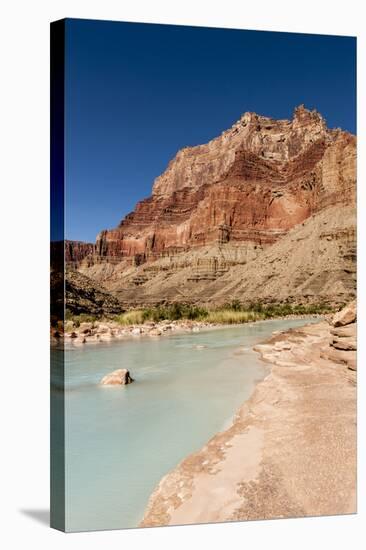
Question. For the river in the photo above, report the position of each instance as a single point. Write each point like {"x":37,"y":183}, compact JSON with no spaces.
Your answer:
{"x":120,"y":441}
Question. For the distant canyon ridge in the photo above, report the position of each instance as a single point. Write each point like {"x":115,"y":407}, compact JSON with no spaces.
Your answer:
{"x":266,"y":212}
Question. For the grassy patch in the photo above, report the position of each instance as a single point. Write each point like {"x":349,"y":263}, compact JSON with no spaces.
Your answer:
{"x":172,"y":312}
{"x":231,"y":313}
{"x":283,"y":309}
{"x":132,"y":317}
{"x":81,"y":318}
{"x":232,"y":316}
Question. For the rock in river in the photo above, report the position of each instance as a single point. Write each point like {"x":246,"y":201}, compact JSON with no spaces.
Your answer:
{"x":117,"y":377}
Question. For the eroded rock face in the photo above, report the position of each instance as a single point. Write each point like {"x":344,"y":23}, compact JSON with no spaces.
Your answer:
{"x":343,"y":337}
{"x":265,"y":212}
{"x":252,"y":184}
{"x":346,"y":316}
{"x":314,"y":262}
{"x":263,"y":138}
{"x":119,"y":377}
{"x":76,"y":251}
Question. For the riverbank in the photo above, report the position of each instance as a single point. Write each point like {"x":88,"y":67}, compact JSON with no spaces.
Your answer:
{"x":107,"y":330}
{"x":290,"y":451}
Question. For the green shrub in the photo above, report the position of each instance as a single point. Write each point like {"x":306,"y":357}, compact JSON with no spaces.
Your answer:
{"x":132,"y":317}
{"x":230,"y":316}
{"x":231,"y":313}
{"x":235,"y":305}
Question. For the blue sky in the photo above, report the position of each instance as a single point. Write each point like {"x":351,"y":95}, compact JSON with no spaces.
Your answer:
{"x":137,"y":93}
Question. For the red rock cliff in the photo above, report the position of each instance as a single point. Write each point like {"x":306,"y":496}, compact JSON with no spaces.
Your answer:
{"x":253,"y":183}
{"x":76,"y":251}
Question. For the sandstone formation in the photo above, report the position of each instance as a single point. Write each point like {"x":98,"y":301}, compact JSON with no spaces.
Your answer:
{"x":343,"y":337}
{"x":76,"y":251}
{"x":265,"y":211}
{"x":346,"y":316}
{"x":119,"y":377}
{"x":314,"y":262}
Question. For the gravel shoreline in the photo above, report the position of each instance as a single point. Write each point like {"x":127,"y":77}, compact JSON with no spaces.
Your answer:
{"x":108,"y":331}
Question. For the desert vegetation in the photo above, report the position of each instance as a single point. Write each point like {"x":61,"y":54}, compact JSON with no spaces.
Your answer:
{"x":231,"y":313}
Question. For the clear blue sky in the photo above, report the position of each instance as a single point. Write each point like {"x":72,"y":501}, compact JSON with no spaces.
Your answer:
{"x":137,"y":93}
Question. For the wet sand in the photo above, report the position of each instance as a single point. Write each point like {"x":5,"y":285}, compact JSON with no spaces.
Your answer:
{"x":290,"y":452}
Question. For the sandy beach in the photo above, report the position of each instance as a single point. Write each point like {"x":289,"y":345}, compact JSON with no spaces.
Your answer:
{"x":290,"y":451}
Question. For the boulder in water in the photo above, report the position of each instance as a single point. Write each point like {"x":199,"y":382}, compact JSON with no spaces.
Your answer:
{"x":119,"y":377}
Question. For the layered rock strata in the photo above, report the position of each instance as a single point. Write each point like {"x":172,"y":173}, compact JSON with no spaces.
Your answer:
{"x":315,"y":262}
{"x":76,"y":251}
{"x":343,"y":338}
{"x":253,"y":183}
{"x":266,"y":212}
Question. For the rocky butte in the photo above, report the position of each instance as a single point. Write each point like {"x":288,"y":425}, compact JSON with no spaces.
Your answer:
{"x":264,"y":212}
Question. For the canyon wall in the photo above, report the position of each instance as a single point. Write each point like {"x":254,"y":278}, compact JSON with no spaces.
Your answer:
{"x":253,"y":183}
{"x":223,"y":204}
{"x":76,"y":251}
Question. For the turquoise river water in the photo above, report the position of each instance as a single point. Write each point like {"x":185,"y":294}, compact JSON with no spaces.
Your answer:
{"x":120,"y":441}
